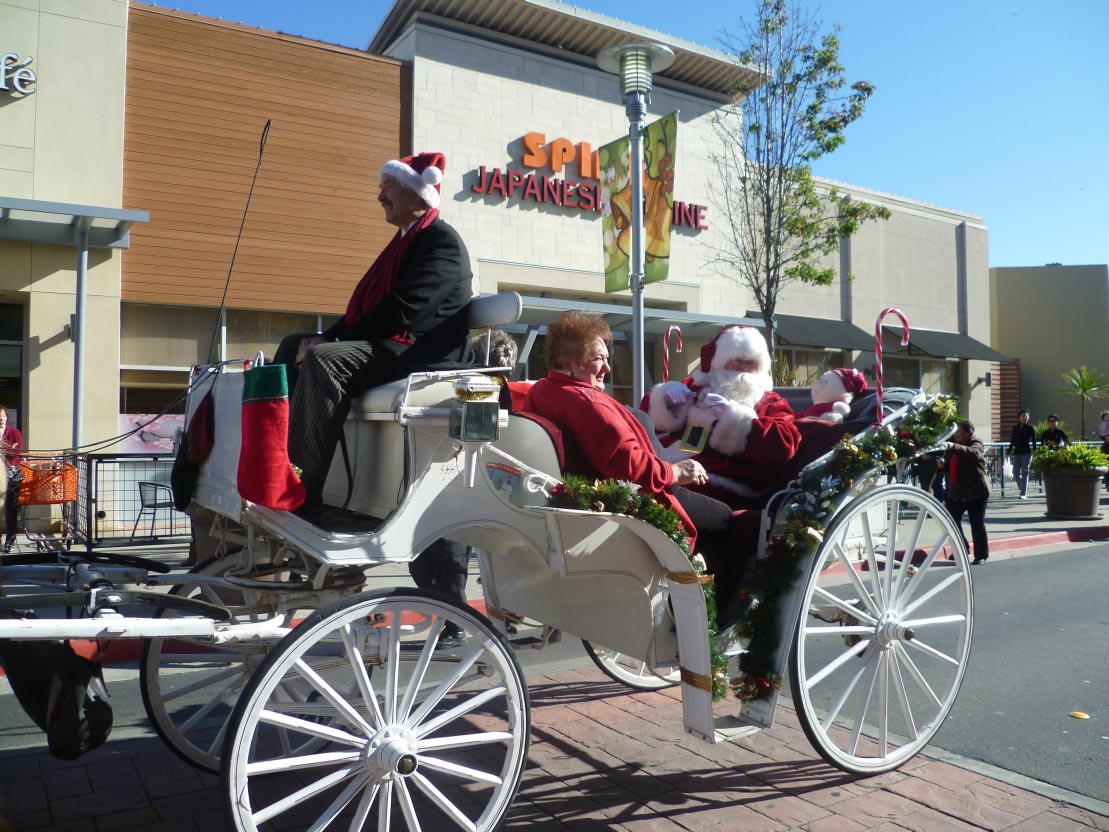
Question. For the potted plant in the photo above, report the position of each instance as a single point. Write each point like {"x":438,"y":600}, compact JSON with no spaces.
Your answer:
{"x":1072,"y":479}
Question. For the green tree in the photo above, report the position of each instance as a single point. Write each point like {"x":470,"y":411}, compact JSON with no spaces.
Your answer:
{"x":1085,"y":383}
{"x":780,"y":226}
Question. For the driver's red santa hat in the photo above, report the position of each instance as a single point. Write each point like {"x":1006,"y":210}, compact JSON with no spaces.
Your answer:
{"x":854,"y":382}
{"x":735,"y":342}
{"x":421,"y":174}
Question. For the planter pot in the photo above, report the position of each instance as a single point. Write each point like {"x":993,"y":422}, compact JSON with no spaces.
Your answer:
{"x":1072,"y":493}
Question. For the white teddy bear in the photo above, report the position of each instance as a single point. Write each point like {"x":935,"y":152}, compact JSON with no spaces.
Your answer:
{"x":832,"y":394}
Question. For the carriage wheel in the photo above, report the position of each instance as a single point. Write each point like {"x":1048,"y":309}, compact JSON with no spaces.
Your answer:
{"x":883,"y":643}
{"x":409,"y":737}
{"x":630,"y":671}
{"x":189,"y":686}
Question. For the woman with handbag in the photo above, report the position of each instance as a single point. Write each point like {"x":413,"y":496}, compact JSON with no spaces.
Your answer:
{"x":11,"y":445}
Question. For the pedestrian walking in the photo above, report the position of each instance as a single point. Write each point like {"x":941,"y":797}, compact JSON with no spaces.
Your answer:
{"x":1022,"y":442}
{"x":1054,"y":435}
{"x":968,"y":487}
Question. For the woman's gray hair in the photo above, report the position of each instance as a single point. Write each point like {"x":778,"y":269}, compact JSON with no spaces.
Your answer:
{"x":502,"y":349}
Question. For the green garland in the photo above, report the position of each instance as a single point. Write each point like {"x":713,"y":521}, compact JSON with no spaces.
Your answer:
{"x":798,"y":532}
{"x":800,"y":524}
{"x":621,"y":497}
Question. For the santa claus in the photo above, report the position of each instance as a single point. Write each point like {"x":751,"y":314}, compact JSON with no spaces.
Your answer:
{"x":727,"y":415}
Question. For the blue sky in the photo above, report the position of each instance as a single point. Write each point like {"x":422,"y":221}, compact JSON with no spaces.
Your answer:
{"x":995,"y":107}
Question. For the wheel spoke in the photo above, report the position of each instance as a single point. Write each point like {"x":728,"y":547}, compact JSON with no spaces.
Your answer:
{"x":860,"y":719}
{"x":892,"y":514}
{"x":839,"y":631}
{"x":917,"y":644}
{"x":281,"y":764}
{"x":459,"y":710}
{"x":902,"y":695}
{"x":406,"y":807}
{"x":391,"y":652}
{"x":234,"y":673}
{"x":314,"y":729}
{"x":956,"y":618}
{"x":448,"y":767}
{"x":850,"y":653}
{"x":907,"y":559}
{"x":883,"y":703}
{"x":416,"y":680}
{"x":850,"y":609}
{"x":341,"y":801}
{"x":311,"y":790}
{"x":362,"y":813}
{"x":338,"y":702}
{"x":362,"y":676}
{"x":932,"y":593}
{"x":860,"y":588}
{"x":872,"y":562}
{"x":914,"y":671}
{"x":385,"y":807}
{"x":464,"y":740}
{"x":440,"y":800}
{"x":918,"y":579}
{"x":445,"y":686}
{"x":830,"y":717}
{"x":206,"y":708}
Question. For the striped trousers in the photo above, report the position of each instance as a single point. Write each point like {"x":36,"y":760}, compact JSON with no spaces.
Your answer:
{"x":331,"y":375}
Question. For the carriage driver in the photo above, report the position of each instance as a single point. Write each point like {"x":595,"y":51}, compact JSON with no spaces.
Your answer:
{"x":406,"y":314}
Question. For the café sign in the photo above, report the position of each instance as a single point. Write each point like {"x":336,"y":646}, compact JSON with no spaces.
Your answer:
{"x":539,"y":181}
{"x":16,"y":75}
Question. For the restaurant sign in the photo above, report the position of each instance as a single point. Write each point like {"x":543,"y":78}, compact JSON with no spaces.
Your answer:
{"x":539,"y":179}
{"x":16,"y":75}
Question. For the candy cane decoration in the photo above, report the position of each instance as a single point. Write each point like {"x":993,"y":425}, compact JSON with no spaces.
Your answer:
{"x":878,"y":349}
{"x":673,"y":328}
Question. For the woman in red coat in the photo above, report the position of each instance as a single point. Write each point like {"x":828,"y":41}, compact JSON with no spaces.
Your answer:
{"x":614,"y":444}
{"x":11,"y":444}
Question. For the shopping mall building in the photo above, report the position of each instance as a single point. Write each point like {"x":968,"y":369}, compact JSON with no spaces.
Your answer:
{"x":130,"y":138}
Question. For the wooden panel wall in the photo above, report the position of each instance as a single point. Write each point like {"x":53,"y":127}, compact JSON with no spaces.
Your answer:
{"x":199,"y":92}
{"x":1006,"y":400}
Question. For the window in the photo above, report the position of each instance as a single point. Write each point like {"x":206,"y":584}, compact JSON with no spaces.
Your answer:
{"x":800,"y":368}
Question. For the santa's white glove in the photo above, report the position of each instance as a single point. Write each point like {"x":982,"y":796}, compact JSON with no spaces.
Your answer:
{"x":715,"y":402}
{"x":676,"y":395}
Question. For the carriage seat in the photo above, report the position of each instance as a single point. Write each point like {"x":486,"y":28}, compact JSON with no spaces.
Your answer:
{"x":484,"y":312}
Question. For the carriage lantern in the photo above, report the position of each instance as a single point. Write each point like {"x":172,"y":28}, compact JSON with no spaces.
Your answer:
{"x":475,"y":409}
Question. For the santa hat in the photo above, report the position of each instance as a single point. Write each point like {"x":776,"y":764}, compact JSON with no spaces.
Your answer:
{"x":735,"y":342}
{"x":853,"y":381}
{"x":421,"y":174}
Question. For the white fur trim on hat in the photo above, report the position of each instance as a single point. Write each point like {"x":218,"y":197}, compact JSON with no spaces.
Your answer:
{"x":736,"y":342}
{"x":422,"y":174}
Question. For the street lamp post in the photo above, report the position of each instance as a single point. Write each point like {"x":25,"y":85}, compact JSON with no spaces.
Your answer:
{"x":635,"y":62}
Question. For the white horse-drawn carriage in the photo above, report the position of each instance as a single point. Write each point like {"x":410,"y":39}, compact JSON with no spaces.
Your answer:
{"x":327,"y":706}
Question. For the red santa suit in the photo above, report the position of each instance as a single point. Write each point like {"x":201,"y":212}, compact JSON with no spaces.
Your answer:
{"x":752,"y":427}
{"x":610,"y":438}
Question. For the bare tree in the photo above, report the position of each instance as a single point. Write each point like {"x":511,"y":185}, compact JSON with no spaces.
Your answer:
{"x":779,"y":225}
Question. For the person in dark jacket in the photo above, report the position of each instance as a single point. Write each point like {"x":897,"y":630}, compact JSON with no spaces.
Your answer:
{"x":968,"y":486}
{"x":408,"y":313}
{"x":1054,"y":435}
{"x":1022,"y":442}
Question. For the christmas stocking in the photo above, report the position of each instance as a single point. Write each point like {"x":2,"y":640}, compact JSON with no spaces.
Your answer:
{"x":266,"y":476}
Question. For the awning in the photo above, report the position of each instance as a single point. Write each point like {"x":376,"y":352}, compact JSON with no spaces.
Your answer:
{"x":80,"y":226}
{"x":799,"y":331}
{"x":946,"y":345}
{"x":61,"y":223}
{"x":698,"y":326}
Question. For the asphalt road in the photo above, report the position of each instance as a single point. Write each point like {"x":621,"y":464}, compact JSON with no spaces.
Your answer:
{"x":1041,"y":651}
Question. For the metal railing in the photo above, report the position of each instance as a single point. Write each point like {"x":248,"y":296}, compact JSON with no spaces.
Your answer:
{"x":126,"y":499}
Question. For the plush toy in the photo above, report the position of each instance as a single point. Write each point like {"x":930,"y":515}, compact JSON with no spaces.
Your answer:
{"x":832,"y":394}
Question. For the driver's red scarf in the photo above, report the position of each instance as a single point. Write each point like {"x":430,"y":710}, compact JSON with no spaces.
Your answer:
{"x":377,"y":282}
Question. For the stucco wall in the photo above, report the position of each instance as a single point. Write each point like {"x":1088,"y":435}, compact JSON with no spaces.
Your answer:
{"x":64,"y":143}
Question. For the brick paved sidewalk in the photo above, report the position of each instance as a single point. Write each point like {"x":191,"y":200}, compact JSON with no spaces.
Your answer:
{"x":602,"y":758}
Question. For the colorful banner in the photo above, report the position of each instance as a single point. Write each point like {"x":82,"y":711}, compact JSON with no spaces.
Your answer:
{"x":659,"y":150}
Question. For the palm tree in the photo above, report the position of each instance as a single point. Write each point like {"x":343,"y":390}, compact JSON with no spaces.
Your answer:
{"x":1085,"y":383}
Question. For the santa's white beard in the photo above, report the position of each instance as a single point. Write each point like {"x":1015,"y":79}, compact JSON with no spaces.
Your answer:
{"x":746,"y":389}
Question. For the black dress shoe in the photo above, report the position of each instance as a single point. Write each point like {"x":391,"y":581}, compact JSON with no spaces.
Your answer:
{"x":452,"y":637}
{"x":8,"y":545}
{"x":978,"y":561}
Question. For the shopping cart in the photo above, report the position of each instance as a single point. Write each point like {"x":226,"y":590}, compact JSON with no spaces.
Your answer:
{"x":50,"y":481}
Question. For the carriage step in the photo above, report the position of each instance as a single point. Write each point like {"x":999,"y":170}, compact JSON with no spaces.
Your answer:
{"x":730,"y":728}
